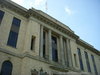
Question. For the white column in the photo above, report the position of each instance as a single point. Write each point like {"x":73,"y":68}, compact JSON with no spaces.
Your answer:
{"x":46,"y":45}
{"x":41,"y":41}
{"x":62,"y":50}
{"x":65,"y":51}
{"x":69,"y":54}
{"x":50,"y":45}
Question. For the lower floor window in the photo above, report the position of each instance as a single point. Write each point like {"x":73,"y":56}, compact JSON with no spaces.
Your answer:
{"x":6,"y":68}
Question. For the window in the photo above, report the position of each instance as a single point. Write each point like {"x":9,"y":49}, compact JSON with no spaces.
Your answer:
{"x":1,"y":15}
{"x":54,"y":49}
{"x":87,"y":61}
{"x":80,"y":59}
{"x":32,"y":43}
{"x":44,"y":44}
{"x":45,"y":40}
{"x":94,"y":65}
{"x":6,"y":68}
{"x":12,"y":39}
{"x":75,"y":59}
{"x":13,"y":35}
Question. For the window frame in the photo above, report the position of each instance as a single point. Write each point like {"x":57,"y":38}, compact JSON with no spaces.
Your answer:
{"x":6,"y":68}
{"x":1,"y":17}
{"x":14,"y":29}
{"x":54,"y":51}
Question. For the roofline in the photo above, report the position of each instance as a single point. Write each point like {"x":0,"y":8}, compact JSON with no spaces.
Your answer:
{"x":15,"y":4}
{"x":14,"y":7}
{"x":53,"y":19}
{"x":41,"y":17}
{"x":87,"y":46}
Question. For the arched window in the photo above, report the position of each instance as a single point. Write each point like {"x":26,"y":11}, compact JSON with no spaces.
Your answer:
{"x":6,"y":68}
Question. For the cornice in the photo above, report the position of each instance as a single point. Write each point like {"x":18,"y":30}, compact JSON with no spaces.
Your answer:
{"x":14,"y":7}
{"x":27,"y":54}
{"x":32,"y":12}
{"x":10,"y":53}
{"x":87,"y":46}
{"x":61,"y":69}
{"x":47,"y":21}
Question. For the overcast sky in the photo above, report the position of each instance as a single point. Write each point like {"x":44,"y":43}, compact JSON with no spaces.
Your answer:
{"x":82,"y":16}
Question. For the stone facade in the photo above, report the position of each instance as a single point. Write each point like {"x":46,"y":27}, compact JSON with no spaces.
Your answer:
{"x":43,"y":33}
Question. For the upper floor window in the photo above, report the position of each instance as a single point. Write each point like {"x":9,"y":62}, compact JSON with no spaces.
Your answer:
{"x":54,"y":49}
{"x":1,"y":15}
{"x":44,"y":44}
{"x":13,"y":35}
{"x":87,"y":61}
{"x":32,"y":43}
{"x":80,"y":59}
{"x":94,"y":65}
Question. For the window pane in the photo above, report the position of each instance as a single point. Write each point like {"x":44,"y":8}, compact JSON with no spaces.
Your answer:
{"x":1,"y":15}
{"x":6,"y":68}
{"x":13,"y":35}
{"x":54,"y":49}
{"x":12,"y":40}
{"x":16,"y":22}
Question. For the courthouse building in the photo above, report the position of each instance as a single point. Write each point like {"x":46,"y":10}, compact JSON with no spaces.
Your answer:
{"x":34,"y":43}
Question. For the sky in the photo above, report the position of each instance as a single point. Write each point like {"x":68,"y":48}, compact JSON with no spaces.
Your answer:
{"x":82,"y":16}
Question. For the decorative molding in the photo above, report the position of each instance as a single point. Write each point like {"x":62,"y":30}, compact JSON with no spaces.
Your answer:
{"x":45,"y":20}
{"x":26,"y":54}
{"x":10,"y":53}
{"x":9,"y":4}
{"x":59,"y":68}
{"x":88,"y":47}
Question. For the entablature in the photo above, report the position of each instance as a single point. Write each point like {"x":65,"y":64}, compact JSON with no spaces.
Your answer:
{"x":47,"y":21}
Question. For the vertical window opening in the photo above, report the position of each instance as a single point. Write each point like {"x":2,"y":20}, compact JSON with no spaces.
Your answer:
{"x":13,"y":35}
{"x":94,"y":65}
{"x":1,"y":15}
{"x":54,"y":49}
{"x":87,"y":62}
{"x":80,"y":59}
{"x":44,"y":44}
{"x":32,"y":43}
{"x":6,"y":68}
{"x":75,"y":60}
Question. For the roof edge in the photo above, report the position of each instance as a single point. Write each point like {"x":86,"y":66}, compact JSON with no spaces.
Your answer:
{"x":87,"y":46}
